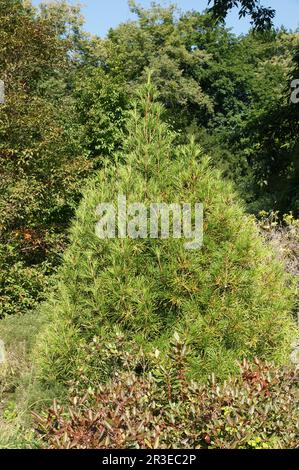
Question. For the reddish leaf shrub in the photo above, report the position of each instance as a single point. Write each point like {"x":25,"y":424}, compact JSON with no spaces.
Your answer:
{"x":164,"y":409}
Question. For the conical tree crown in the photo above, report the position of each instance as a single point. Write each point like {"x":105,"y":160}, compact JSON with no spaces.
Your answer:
{"x":228,"y":299}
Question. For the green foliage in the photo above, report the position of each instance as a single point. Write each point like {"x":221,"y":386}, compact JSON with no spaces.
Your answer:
{"x":255,"y":126}
{"x":262,"y":18}
{"x":229,"y":300}
{"x":19,"y":392}
{"x":67,"y":97}
{"x":230,"y":90}
{"x":42,"y":160}
{"x":101,"y":102}
{"x":276,"y":135}
{"x":162,"y":42}
{"x":162,"y":408}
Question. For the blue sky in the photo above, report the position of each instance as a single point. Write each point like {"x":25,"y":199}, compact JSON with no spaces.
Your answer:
{"x":103,"y":14}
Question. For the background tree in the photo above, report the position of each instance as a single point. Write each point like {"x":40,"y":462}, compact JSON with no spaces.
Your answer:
{"x":261,"y":17}
{"x":162,"y":42}
{"x":41,"y":156}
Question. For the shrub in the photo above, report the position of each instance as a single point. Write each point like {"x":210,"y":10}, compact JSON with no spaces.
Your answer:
{"x":228,"y":300}
{"x":284,"y":237}
{"x":163,"y":409}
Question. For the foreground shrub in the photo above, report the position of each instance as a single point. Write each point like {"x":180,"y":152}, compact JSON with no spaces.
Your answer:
{"x":163,"y":409}
{"x":228,"y":300}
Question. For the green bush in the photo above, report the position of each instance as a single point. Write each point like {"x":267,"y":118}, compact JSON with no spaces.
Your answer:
{"x":163,"y":409}
{"x":229,"y":300}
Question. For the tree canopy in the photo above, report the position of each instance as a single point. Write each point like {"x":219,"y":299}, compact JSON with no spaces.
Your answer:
{"x":261,"y":17}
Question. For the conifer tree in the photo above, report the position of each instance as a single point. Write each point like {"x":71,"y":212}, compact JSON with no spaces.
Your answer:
{"x":228,"y":300}
{"x":261,"y":17}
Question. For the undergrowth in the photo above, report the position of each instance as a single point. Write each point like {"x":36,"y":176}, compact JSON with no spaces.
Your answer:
{"x":257,"y":409}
